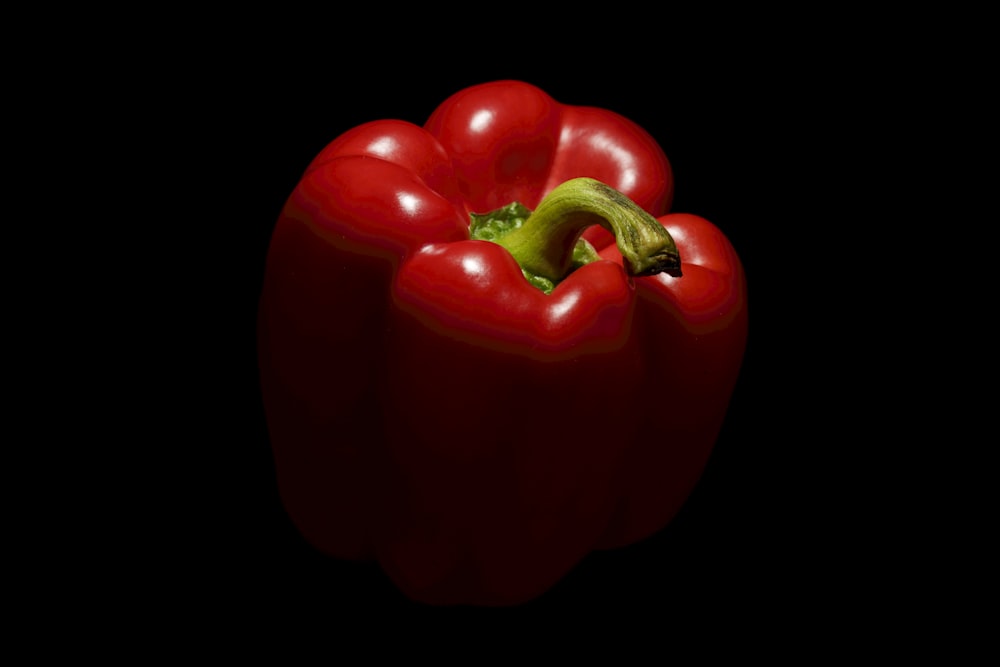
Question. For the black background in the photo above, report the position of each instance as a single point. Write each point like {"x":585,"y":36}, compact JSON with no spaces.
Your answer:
{"x":764,"y":136}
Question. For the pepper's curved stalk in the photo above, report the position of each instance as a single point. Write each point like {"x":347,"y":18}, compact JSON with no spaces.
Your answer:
{"x":546,"y":244}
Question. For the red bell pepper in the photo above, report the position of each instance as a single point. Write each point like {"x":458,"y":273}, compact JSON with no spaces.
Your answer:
{"x":486,"y":350}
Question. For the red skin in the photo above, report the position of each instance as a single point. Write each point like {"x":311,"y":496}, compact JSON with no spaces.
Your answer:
{"x":431,"y":409}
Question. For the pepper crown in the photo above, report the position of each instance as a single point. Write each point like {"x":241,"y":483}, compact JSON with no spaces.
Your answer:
{"x":547,"y":242}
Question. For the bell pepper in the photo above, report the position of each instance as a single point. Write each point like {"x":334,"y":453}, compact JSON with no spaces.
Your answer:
{"x":485,"y":347}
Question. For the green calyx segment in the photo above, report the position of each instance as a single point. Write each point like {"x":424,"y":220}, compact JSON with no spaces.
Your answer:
{"x":496,"y":224}
{"x":546,"y":242}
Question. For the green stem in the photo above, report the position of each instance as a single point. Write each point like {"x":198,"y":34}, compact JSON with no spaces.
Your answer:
{"x":544,"y":244}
